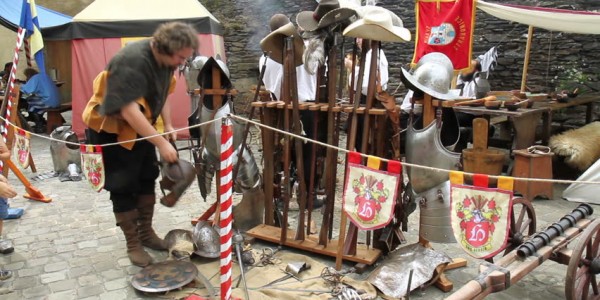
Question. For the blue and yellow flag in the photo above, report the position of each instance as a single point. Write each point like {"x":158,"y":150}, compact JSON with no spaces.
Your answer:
{"x":29,"y":22}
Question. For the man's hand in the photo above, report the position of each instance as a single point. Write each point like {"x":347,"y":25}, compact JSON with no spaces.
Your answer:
{"x":6,"y":190}
{"x":167,"y":152}
{"x":389,"y":103}
{"x":387,"y":100}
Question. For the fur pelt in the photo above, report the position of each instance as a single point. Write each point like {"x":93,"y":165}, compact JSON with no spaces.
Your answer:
{"x":580,"y":147}
{"x":314,"y":53}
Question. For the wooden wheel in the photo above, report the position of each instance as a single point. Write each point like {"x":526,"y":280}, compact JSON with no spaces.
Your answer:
{"x":522,"y":224}
{"x":584,"y":265}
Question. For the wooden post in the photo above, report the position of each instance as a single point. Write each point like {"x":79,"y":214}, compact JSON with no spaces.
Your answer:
{"x":526,"y":62}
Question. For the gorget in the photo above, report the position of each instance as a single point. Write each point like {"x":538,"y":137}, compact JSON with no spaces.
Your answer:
{"x":424,"y":147}
{"x":213,"y":130}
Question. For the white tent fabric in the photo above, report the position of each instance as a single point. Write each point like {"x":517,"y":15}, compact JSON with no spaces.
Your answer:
{"x":563,"y":20}
{"x":584,"y":192}
{"x":108,"y":10}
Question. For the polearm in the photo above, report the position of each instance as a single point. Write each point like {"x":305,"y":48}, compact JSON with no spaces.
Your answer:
{"x":313,"y":152}
{"x":336,"y":126}
{"x":297,"y":144}
{"x":288,"y":64}
{"x":331,"y":156}
{"x":350,"y":145}
{"x":251,"y":115}
{"x":352,"y":236}
{"x":511,"y":268}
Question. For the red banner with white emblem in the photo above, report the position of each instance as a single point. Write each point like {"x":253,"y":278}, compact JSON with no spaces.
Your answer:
{"x":480,"y":215}
{"x":370,"y":194}
{"x":445,"y":26}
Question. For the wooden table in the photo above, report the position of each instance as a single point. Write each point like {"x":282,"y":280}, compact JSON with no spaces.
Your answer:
{"x":587,"y":100}
{"x":524,"y":122}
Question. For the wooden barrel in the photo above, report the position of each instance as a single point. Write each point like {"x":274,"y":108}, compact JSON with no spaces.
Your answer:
{"x":486,"y":161}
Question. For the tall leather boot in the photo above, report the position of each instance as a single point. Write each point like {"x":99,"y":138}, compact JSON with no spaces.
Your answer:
{"x":146,"y":234}
{"x":128,"y":223}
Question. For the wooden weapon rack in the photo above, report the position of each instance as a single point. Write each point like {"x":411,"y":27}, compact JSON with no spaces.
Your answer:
{"x":276,"y":114}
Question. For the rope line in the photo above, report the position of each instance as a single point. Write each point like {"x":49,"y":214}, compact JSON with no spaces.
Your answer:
{"x":260,"y":125}
{"x":404,"y":163}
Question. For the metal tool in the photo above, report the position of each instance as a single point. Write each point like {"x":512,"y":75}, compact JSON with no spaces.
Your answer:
{"x":293,"y":269}
{"x":267,"y":255}
{"x":238,"y":240}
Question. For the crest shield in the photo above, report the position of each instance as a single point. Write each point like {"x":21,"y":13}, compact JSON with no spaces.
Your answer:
{"x":369,"y":196}
{"x":22,"y":147}
{"x":480,"y":218}
{"x":92,"y":166}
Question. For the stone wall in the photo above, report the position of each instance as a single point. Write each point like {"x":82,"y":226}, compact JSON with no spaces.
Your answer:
{"x":552,"y":53}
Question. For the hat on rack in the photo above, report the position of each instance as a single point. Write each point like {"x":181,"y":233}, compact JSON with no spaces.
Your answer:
{"x":327,"y":13}
{"x":274,"y":45}
{"x":205,"y":75}
{"x":378,"y":23}
{"x":432,"y":77}
{"x":278,"y":20}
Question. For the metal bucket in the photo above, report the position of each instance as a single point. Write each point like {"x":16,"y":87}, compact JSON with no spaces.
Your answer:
{"x":64,"y":154}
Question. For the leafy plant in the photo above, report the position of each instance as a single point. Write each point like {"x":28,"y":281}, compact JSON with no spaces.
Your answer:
{"x":570,"y":79}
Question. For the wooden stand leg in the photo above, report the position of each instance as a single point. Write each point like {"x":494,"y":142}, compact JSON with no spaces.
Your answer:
{"x":32,"y":192}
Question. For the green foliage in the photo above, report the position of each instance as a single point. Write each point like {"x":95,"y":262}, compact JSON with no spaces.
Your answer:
{"x":570,"y":78}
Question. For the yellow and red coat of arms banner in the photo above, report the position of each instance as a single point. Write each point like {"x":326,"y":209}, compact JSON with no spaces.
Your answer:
{"x":445,"y":26}
{"x":92,"y":166}
{"x":480,"y":215}
{"x":22,"y":147}
{"x":369,"y":193}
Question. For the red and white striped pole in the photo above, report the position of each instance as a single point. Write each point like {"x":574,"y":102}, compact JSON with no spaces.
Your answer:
{"x":226,"y":200}
{"x":11,"y":87}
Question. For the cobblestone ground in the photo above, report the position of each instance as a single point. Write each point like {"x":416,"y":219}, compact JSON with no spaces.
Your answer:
{"x":70,"y":248}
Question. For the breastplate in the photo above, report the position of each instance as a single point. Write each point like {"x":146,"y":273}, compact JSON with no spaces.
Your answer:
{"x":424,"y":147}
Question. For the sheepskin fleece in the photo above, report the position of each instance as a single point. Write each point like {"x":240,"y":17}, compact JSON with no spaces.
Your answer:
{"x":580,"y":147}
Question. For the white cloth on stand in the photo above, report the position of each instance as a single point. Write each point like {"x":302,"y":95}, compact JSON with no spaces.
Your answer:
{"x":488,"y":61}
{"x":273,"y":75}
{"x":307,"y":84}
{"x":383,"y":72}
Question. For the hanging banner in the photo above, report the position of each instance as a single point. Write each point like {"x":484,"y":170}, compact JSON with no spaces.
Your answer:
{"x":370,"y":194}
{"x":480,"y":215}
{"x":92,"y":165}
{"x":445,"y":26}
{"x":22,"y":147}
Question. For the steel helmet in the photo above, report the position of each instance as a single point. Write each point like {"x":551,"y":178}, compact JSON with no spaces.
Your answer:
{"x":205,"y":76}
{"x":207,"y":240}
{"x":433,"y":76}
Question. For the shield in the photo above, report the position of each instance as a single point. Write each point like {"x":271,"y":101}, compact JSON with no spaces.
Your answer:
{"x":369,"y":196}
{"x":92,"y":166}
{"x":480,"y":218}
{"x":164,"y":276}
{"x":22,"y":147}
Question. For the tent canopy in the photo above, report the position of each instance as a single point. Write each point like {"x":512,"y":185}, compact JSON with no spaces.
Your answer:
{"x":133,"y":18}
{"x":105,"y":26}
{"x":571,"y":21}
{"x":10,"y":16}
